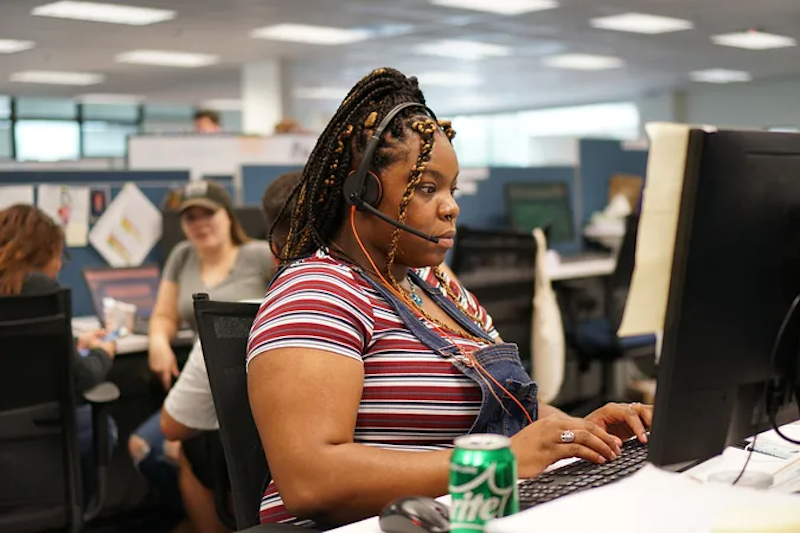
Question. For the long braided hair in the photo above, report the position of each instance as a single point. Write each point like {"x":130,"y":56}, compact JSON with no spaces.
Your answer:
{"x":319,"y":202}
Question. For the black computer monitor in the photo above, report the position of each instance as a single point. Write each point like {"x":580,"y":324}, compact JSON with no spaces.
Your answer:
{"x":541,"y":205}
{"x":735,"y":273}
{"x":251,"y":218}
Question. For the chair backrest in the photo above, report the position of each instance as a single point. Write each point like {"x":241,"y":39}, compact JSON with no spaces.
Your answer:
{"x":620,"y":280}
{"x":499,"y":268}
{"x":223,"y":328}
{"x":39,"y":457}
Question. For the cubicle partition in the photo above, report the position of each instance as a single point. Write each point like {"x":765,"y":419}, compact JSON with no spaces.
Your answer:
{"x":486,"y":207}
{"x":600,"y":159}
{"x":154,"y":185}
{"x":256,"y":178}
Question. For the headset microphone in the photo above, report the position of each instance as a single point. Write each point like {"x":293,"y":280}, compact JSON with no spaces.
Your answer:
{"x":371,"y":210}
{"x":363,"y":189}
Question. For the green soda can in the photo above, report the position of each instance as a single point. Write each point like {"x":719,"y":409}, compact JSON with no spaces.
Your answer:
{"x":483,"y":482}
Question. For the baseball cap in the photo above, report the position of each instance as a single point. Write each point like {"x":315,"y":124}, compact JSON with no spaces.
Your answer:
{"x":206,"y":194}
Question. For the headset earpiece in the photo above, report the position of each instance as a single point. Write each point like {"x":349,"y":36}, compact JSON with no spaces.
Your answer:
{"x":362,"y":186}
{"x":370,"y":192}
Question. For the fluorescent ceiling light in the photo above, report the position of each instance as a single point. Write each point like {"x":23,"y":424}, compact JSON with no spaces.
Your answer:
{"x":641,"y":23}
{"x":57,"y":77}
{"x":9,"y":46}
{"x":753,"y":40}
{"x":583,"y":62}
{"x":110,"y":98}
{"x":502,"y":7}
{"x":321,"y":93}
{"x":720,"y":75}
{"x":304,"y":33}
{"x":462,"y":49}
{"x":223,"y":104}
{"x":448,"y":79}
{"x":165,"y":58}
{"x":111,"y":13}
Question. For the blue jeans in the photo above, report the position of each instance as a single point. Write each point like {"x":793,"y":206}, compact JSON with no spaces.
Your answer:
{"x":156,"y":467}
{"x":83,"y":420}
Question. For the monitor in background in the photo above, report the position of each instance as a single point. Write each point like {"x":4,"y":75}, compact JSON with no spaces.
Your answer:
{"x":541,"y":205}
{"x":498,"y":267}
{"x":134,"y":285}
{"x":735,"y":274}
{"x":251,"y":218}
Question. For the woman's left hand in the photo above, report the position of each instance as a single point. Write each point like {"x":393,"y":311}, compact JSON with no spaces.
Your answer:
{"x":624,"y":420}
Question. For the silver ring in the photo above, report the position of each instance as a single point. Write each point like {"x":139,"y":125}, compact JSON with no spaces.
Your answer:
{"x":567,"y":436}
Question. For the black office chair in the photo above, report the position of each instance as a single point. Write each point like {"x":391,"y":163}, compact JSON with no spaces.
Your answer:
{"x":596,"y":339}
{"x":223,"y":328}
{"x":499,"y":267}
{"x":40,"y":471}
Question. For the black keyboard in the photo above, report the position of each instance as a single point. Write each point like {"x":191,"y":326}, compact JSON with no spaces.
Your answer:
{"x":582,"y":475}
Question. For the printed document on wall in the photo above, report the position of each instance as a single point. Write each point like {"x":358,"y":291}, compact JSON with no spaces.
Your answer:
{"x":69,"y":206}
{"x":128,"y":229}
{"x":15,"y":194}
{"x":646,"y":307}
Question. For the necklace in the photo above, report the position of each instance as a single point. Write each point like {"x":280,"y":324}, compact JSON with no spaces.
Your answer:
{"x":412,"y":296}
{"x":412,"y":292}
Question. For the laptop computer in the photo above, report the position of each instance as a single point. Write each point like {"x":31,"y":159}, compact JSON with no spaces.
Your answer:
{"x":133,"y":285}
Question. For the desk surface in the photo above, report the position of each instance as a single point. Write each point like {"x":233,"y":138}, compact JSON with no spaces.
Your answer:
{"x":577,"y":268}
{"x":130,"y":343}
{"x":787,"y":472}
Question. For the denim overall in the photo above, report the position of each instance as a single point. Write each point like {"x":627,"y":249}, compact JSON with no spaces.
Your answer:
{"x":500,"y":360}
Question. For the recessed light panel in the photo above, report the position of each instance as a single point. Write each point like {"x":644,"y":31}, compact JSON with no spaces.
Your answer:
{"x":304,"y":33}
{"x":641,"y":23}
{"x":54,"y":77}
{"x":502,"y":7}
{"x":754,"y":40}
{"x":583,"y":62}
{"x":164,"y":58}
{"x":471,"y":50}
{"x":720,"y":75}
{"x":10,"y":46}
{"x":100,"y":12}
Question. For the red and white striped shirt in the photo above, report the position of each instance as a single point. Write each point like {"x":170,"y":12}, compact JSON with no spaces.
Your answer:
{"x":412,"y":398}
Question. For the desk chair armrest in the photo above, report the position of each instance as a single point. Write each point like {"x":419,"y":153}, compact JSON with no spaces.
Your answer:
{"x":104,"y":393}
{"x":277,"y":528}
{"x":100,"y":397}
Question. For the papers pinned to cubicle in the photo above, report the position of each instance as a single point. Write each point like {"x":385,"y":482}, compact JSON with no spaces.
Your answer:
{"x":69,"y":206}
{"x":15,"y":194}
{"x":128,"y":229}
{"x":646,"y":307}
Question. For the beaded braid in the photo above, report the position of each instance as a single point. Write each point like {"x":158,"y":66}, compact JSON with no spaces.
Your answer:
{"x":426,"y":130}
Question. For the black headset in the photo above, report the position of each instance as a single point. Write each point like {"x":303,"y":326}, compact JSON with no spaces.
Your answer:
{"x":362,"y":188}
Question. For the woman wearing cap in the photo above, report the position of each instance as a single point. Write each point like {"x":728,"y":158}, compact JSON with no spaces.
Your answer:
{"x":217,"y":258}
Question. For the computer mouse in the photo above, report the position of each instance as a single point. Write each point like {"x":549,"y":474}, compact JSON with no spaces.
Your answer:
{"x":415,"y":514}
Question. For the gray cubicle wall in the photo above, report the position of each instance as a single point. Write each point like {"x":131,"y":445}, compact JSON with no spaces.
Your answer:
{"x":154,"y":185}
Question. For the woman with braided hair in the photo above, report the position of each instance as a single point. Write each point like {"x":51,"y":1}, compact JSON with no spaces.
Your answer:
{"x":366,"y":360}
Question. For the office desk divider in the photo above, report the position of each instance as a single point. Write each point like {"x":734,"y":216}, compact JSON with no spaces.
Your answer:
{"x":256,"y":178}
{"x":154,"y":185}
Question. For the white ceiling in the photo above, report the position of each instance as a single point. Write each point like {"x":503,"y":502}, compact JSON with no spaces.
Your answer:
{"x":520,"y":81}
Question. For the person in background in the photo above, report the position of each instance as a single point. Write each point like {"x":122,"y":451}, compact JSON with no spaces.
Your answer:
{"x":365,"y":361}
{"x":188,"y":414}
{"x":207,"y":121}
{"x":218,"y":258}
{"x":287,"y":126}
{"x":31,"y":246}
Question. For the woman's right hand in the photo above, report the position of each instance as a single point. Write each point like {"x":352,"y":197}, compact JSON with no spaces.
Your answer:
{"x":163,"y":362}
{"x":540,"y":444}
